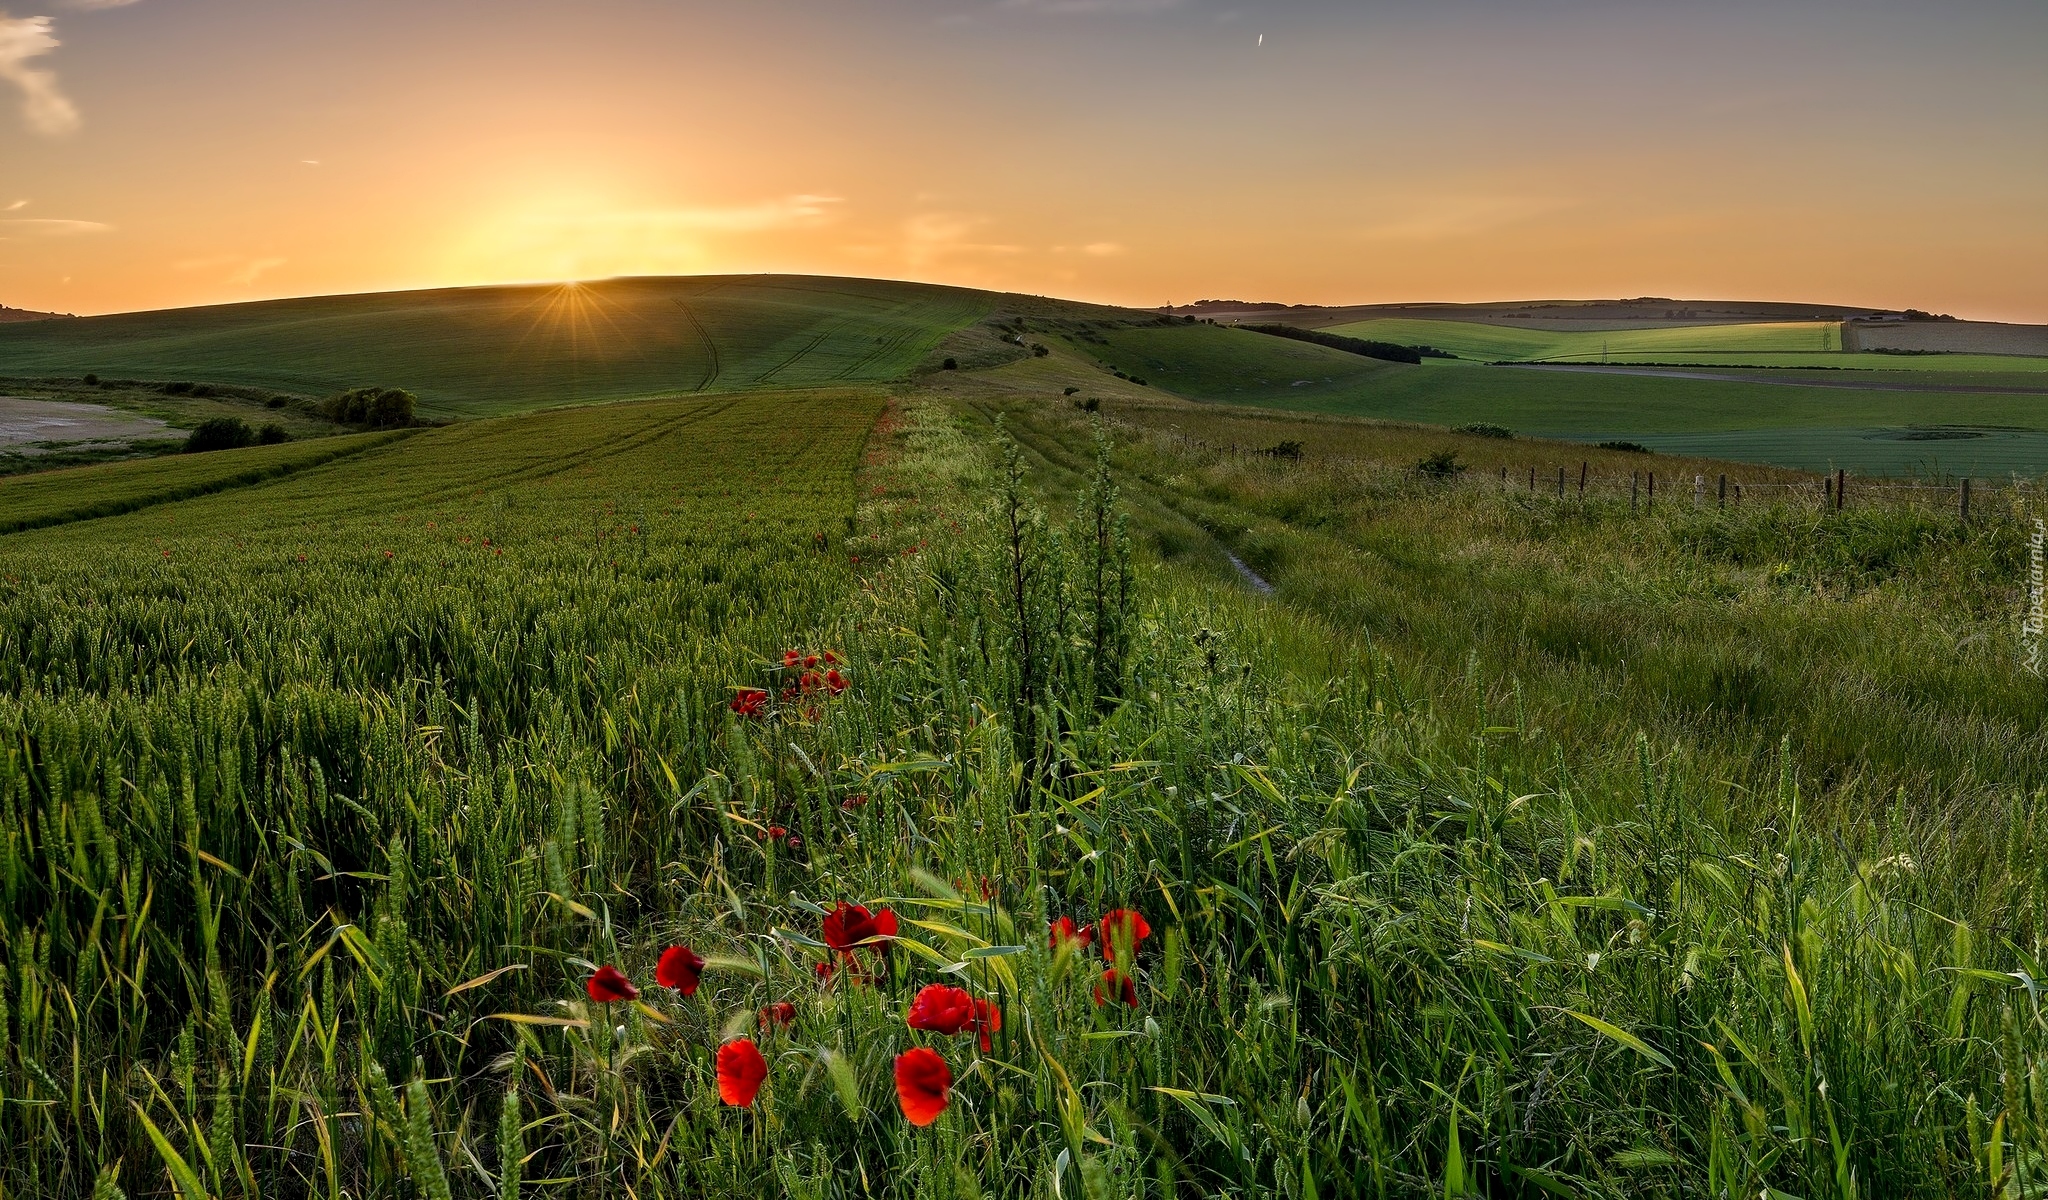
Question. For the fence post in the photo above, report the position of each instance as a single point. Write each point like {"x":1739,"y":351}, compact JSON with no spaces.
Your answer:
{"x":1582,"y":479}
{"x":1650,"y":500}
{"x":1560,"y":483}
{"x":1632,"y":493}
{"x":1827,"y":492}
{"x":1532,"y":479}
{"x":1722,"y":499}
{"x":1966,"y":499}
{"x":1841,"y":488}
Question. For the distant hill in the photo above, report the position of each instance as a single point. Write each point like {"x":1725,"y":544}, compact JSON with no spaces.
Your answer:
{"x":1643,"y":312}
{"x":11,"y":315}
{"x":488,"y":350}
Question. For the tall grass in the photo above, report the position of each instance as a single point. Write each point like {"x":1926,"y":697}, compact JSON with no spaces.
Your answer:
{"x":303,"y":865}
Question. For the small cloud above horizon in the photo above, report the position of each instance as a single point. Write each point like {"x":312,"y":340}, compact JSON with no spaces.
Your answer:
{"x":12,"y":227}
{"x":44,"y":107}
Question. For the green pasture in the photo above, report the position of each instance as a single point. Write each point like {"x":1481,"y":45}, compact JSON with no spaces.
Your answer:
{"x":481,"y":351}
{"x":1762,"y":344}
{"x":1788,"y":418}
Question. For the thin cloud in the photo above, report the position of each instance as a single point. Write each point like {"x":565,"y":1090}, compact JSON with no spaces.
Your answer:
{"x":17,"y":206}
{"x":1095,"y":7}
{"x":89,"y":5}
{"x":48,"y":227}
{"x":43,"y":106}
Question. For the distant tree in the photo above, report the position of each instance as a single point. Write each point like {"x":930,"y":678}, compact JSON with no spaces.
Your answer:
{"x":378,"y":408}
{"x":1288,"y":449}
{"x":219,"y":433}
{"x":92,"y":380}
{"x":1485,"y":429}
{"x":1072,"y":390}
{"x":272,"y":434}
{"x":1627,"y":447}
{"x":951,"y":364}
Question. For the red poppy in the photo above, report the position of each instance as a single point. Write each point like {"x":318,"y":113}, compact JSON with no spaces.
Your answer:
{"x":849,"y":926}
{"x":823,"y":970}
{"x":924,"y":1084}
{"x":835,"y":681}
{"x":1064,"y":931}
{"x":1116,"y":986}
{"x":810,"y":660}
{"x":830,"y":658}
{"x":941,"y":1009}
{"x":790,"y":658}
{"x":609,"y":984}
{"x":1122,"y":929}
{"x":853,"y":802}
{"x":750,"y":702}
{"x":988,"y":1019}
{"x":740,"y":1072}
{"x":776,"y":833}
{"x":782,"y":1013}
{"x":679,"y":968}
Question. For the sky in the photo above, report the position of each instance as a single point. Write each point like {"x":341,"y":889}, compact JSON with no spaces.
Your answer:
{"x":1892,"y":153}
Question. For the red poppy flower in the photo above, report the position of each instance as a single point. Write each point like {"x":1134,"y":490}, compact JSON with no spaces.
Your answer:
{"x":679,"y":968}
{"x":810,"y":660}
{"x":610,"y":984}
{"x":830,"y":658}
{"x":924,"y":1084}
{"x":740,"y":1072}
{"x":835,"y":681}
{"x":988,"y":1019}
{"x":823,"y":970}
{"x":1122,"y":929}
{"x":1116,"y":986}
{"x":750,"y":702}
{"x":790,"y":658}
{"x":1065,"y":931}
{"x":854,"y":802}
{"x":941,"y":1009}
{"x":776,"y":833}
{"x":849,"y":926}
{"x":781,"y":1013}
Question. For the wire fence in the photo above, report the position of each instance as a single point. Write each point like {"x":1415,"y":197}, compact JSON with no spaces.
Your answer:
{"x":1647,"y":489}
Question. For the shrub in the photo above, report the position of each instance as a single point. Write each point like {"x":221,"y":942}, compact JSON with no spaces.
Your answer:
{"x":92,"y":380}
{"x":272,"y":434}
{"x":1485,"y":429}
{"x":220,"y":433}
{"x":951,"y":364}
{"x":1285,"y":450}
{"x":1091,"y":404}
{"x":1038,"y":351}
{"x":1070,"y":391}
{"x":1385,"y":351}
{"x":378,"y":408}
{"x":1443,"y":464}
{"x":1630,"y":447}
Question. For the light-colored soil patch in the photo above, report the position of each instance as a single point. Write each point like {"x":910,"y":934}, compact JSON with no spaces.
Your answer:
{"x":42,"y":422}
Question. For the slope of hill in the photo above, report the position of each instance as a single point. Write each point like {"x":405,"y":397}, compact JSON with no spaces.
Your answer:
{"x":11,"y":315}
{"x":478,"y":351}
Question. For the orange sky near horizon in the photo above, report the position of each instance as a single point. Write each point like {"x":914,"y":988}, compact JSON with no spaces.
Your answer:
{"x":160,"y":153}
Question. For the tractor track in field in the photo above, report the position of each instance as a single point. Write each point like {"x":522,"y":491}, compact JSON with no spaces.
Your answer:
{"x":589,"y":455}
{"x":710,"y":347}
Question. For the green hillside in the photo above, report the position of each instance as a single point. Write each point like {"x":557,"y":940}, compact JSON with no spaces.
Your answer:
{"x":479,"y":351}
{"x":1764,"y":344}
{"x":1899,"y":423}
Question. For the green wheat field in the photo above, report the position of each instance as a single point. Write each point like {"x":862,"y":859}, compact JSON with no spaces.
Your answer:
{"x":1436,"y":831}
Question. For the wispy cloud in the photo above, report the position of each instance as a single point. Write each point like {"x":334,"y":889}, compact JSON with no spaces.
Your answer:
{"x":783,"y":213}
{"x":17,"y":206}
{"x":46,"y":109}
{"x":1093,"y":7}
{"x":93,"y":4}
{"x":14,"y":227}
{"x":246,"y":270}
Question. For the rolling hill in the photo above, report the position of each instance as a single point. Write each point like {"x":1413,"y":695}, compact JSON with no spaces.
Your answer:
{"x":482,"y":351}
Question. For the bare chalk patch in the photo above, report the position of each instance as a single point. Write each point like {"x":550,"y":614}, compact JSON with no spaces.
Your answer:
{"x":30,"y":426}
